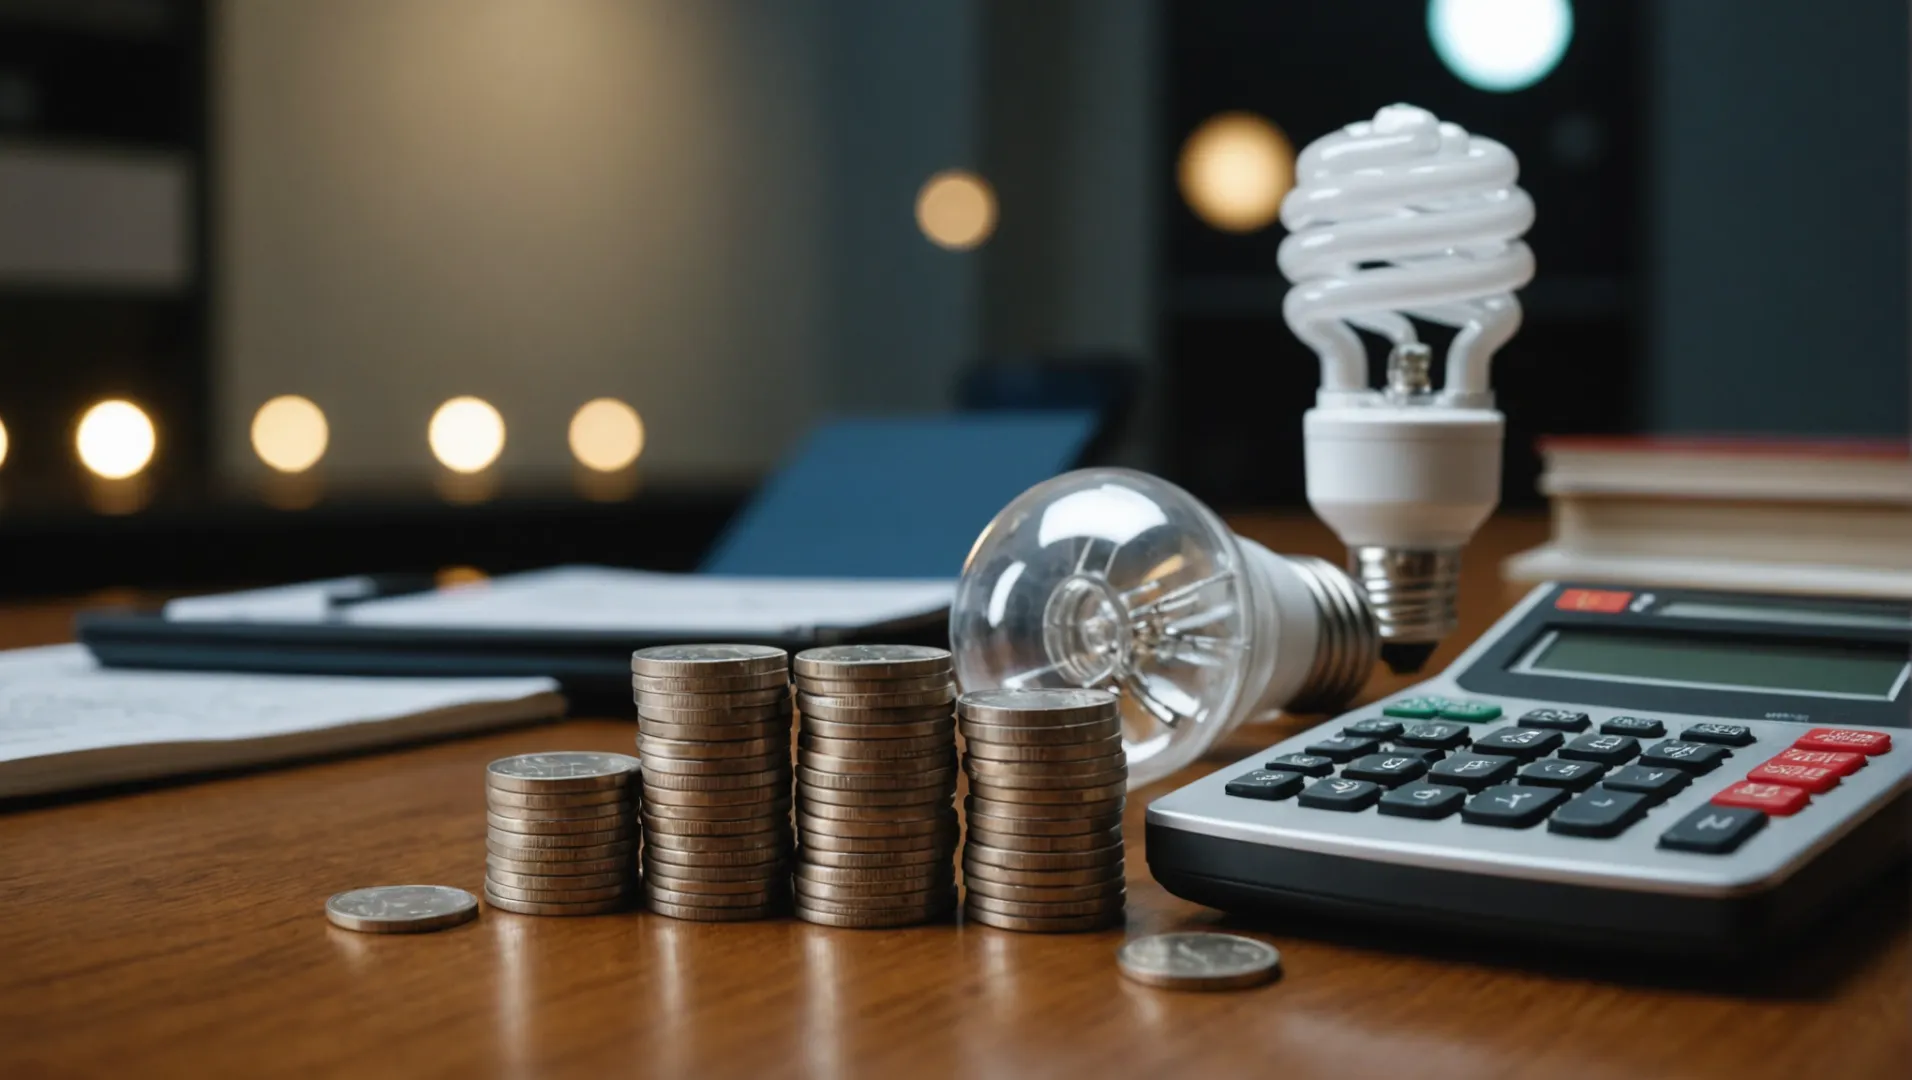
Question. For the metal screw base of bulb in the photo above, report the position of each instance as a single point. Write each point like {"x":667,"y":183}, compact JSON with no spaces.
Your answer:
{"x":1415,"y":594}
{"x":1349,"y":640}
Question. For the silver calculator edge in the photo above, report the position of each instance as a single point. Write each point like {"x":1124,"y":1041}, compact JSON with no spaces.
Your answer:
{"x":1632,"y":861}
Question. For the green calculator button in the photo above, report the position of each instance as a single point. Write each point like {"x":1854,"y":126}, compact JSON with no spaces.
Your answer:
{"x":1474,"y":712}
{"x":1419,"y":708}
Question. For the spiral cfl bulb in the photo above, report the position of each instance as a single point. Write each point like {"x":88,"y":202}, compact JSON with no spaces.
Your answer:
{"x":1120,"y":580}
{"x":1398,"y":218}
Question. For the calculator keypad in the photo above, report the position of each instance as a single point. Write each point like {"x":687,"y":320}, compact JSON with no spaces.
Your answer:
{"x":1558,"y":719}
{"x":1518,"y":742}
{"x":1657,"y":784}
{"x":1472,"y":771}
{"x":1640,"y":727}
{"x":1429,"y":802}
{"x":1605,"y":749}
{"x":1693,"y":757}
{"x":1511,"y":806}
{"x":1341,"y":794}
{"x":1387,"y":770}
{"x":1554,"y":772}
{"x":1780,"y":800}
{"x":1714,"y":830}
{"x":1601,"y":813}
{"x":1724,"y":734}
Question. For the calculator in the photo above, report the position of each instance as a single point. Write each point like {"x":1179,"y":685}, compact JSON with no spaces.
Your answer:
{"x":1661,"y":769}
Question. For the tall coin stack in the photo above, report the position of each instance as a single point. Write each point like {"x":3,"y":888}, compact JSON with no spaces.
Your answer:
{"x":713,"y":728}
{"x":1047,"y":779}
{"x":876,"y":784}
{"x":561,"y":833}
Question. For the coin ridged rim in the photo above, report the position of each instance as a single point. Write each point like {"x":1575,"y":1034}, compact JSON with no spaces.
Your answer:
{"x":1039,"y":812}
{"x":1044,"y":707}
{"x":770,"y":807}
{"x":823,"y":841}
{"x":615,"y":811}
{"x":903,"y":766}
{"x":934,"y":909}
{"x":831,"y":710}
{"x":1057,"y":769}
{"x":869,"y":860}
{"x":874,"y":781}
{"x":522,"y":907}
{"x":872,"y":661}
{"x":724,"y":827}
{"x":858,"y":689}
{"x":1080,"y":924}
{"x":622,"y":823}
{"x":559,"y":896}
{"x":870,"y":920}
{"x":941,"y":807}
{"x":1059,"y":909}
{"x":887,"y":799}
{"x":940,"y":727}
{"x":518,"y":801}
{"x":773,"y":840}
{"x":1037,"y":735}
{"x":1011,"y":859}
{"x":715,"y":659}
{"x":1133,"y":961}
{"x":655,"y":781}
{"x":687,"y":913}
{"x":620,"y":770}
{"x":818,"y":704}
{"x":777,"y":726}
{"x":546,"y":882}
{"x":1026,"y":782}
{"x":861,"y":896}
{"x":742,"y":886}
{"x":863,"y":875}
{"x":459,"y":907}
{"x":654,"y":748}
{"x":769,"y":761}
{"x":1045,"y":893}
{"x":624,"y":831}
{"x":708,"y":684}
{"x":648,"y":715}
{"x":1092,"y":876}
{"x":727,"y":875}
{"x":1025,"y":753}
{"x":761,"y":898}
{"x":760,"y":795}
{"x":875,"y":830}
{"x":937,"y":879}
{"x":998,"y":792}
{"x":714,"y":700}
{"x":747,"y":857}
{"x":515,"y":853}
{"x":569,"y":868}
{"x":884,"y":749}
{"x":1040,"y":828}
{"x":1045,"y":844}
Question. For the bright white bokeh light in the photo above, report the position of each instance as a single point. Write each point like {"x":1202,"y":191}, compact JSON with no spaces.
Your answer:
{"x":115,"y":439}
{"x":606,"y":435}
{"x":1500,"y":45}
{"x":289,"y":433}
{"x":466,"y":434}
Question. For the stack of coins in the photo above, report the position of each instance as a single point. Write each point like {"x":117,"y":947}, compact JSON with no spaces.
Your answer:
{"x":713,"y":728}
{"x":1047,"y":778}
{"x":561,"y":836}
{"x":876,"y":783}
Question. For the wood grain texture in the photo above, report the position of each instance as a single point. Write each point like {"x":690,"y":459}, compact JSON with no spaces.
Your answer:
{"x":178,"y":931}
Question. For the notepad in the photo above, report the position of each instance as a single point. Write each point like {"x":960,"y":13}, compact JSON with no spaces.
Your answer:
{"x":66,"y":722}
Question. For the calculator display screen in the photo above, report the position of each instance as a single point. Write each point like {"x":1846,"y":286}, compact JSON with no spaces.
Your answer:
{"x":1817,"y":668}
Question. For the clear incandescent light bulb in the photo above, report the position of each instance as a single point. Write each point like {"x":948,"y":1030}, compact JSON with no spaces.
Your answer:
{"x":1117,"y":579}
{"x":1390,"y":219}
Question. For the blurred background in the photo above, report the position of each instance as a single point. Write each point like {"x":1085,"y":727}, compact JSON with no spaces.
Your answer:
{"x":301,"y":288}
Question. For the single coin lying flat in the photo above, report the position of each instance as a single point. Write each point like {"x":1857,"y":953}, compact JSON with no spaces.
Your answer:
{"x":1199,"y":961}
{"x":401,"y":909}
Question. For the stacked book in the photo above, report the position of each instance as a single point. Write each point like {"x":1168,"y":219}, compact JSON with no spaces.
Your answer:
{"x":1825,"y":517}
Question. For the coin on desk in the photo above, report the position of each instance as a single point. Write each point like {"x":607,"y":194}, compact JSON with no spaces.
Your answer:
{"x":401,"y":909}
{"x":871,"y":662}
{"x":562,"y":771}
{"x":687,"y":661}
{"x":1199,"y":961}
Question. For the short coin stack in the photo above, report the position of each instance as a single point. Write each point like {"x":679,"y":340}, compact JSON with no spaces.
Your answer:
{"x":713,"y":727}
{"x":561,"y":836}
{"x":1047,"y":778}
{"x":876,"y":783}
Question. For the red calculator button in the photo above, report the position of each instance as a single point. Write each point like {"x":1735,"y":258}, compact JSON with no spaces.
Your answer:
{"x":1604,"y":601}
{"x":1811,"y":777}
{"x":1832,"y":738}
{"x":1776,"y":799}
{"x":1840,"y":762}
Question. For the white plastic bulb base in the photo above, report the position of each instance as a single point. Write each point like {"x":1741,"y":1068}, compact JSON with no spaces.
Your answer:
{"x":1121,"y":580}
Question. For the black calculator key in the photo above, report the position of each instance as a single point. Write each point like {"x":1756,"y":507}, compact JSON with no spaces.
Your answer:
{"x":1525,"y":743}
{"x":1599,"y":813}
{"x":1268,"y":784}
{"x":1343,"y":748}
{"x":1437,"y":736}
{"x":1557,"y":719}
{"x":1637,"y":726}
{"x":1511,"y":806}
{"x":1605,"y":749}
{"x":1387,"y":770}
{"x":1425,"y":753}
{"x":1714,"y":830}
{"x":1657,"y":783}
{"x":1425,"y":801}
{"x":1340,"y":794}
{"x":1555,"y":772}
{"x":1373,"y":729}
{"x":1695,"y":757}
{"x":1472,"y":771}
{"x":1305,"y":764}
{"x":1724,"y":734}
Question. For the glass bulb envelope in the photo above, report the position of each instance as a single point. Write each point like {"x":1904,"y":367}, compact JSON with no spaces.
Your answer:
{"x":1120,"y":580}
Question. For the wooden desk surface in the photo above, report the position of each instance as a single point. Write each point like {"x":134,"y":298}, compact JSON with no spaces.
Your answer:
{"x":177,"y":931}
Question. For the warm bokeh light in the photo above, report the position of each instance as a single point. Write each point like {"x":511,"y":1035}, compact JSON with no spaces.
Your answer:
{"x":1500,"y":45}
{"x":454,"y":577}
{"x":115,"y":439}
{"x":1234,"y":170}
{"x":956,"y":209}
{"x":606,"y":435}
{"x":466,"y":434}
{"x":289,"y":433}
{"x":3,"y":444}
